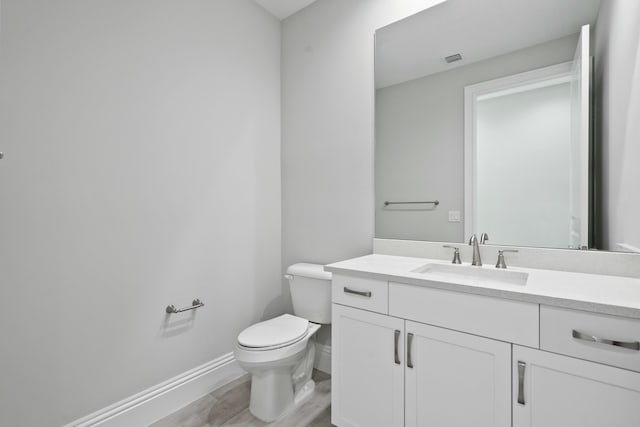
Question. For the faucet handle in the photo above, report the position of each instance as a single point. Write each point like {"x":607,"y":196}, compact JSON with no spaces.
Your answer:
{"x":501,"y":263}
{"x":483,"y":238}
{"x":456,"y":254}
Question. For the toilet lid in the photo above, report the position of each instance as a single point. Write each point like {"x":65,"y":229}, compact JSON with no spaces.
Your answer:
{"x":278,"y":331}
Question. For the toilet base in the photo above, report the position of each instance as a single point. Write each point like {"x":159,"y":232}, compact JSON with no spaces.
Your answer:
{"x":305,"y":392}
{"x":278,"y":404}
{"x":276,"y":392}
{"x":271,"y":394}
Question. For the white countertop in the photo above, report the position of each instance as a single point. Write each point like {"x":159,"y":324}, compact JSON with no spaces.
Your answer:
{"x":590,"y":292}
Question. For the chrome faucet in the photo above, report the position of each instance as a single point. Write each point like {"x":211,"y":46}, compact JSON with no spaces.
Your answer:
{"x":501,"y":263}
{"x":483,"y":238}
{"x":477,"y":261}
{"x":456,"y":254}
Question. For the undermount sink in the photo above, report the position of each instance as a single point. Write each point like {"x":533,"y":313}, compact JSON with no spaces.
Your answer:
{"x":472,"y":274}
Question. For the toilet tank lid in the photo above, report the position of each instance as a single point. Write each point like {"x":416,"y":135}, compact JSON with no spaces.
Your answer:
{"x":312,"y":271}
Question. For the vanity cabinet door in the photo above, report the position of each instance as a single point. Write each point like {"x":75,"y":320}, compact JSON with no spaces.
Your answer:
{"x":550,"y":390}
{"x":455,"y":379}
{"x":367,"y":362}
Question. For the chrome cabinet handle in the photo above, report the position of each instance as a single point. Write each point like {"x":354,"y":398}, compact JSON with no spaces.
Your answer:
{"x":631,"y":345}
{"x":521,"y":368}
{"x":409,"y":342}
{"x":361,"y":293}
{"x":396,"y":339}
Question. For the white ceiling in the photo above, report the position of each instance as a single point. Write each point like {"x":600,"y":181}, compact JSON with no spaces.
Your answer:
{"x":477,"y":29}
{"x":283,"y":8}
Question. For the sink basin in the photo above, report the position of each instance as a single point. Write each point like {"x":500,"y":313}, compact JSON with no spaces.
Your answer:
{"x":471,"y":274}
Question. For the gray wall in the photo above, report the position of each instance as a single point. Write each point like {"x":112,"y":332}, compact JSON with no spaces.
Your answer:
{"x":142,"y":168}
{"x":327,"y":127}
{"x":420,"y":141}
{"x":617,"y":85}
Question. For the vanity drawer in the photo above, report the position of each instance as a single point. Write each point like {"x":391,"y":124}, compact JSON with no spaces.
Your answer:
{"x":557,"y":326}
{"x":368,"y":294}
{"x":505,"y":320}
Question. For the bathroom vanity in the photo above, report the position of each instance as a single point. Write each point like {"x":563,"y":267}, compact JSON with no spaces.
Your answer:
{"x":420,"y":342}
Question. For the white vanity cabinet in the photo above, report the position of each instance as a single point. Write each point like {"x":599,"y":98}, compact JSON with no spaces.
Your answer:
{"x":455,"y":379}
{"x":589,"y":375}
{"x":417,"y":355}
{"x":367,"y":369}
{"x":431,"y":353}
{"x":452,"y":378}
{"x":391,"y":371}
{"x":551,"y":390}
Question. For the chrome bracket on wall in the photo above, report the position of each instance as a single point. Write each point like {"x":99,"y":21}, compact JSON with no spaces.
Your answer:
{"x":195,"y":304}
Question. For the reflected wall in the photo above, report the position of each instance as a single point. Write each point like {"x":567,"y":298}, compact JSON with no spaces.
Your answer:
{"x":419,"y":142}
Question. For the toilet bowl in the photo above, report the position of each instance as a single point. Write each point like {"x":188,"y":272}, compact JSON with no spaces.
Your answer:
{"x":279,"y":353}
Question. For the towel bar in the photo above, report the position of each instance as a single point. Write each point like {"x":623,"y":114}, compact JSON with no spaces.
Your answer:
{"x":433,"y":202}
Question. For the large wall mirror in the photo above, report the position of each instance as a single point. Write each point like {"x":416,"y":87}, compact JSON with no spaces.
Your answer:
{"x":512,"y":118}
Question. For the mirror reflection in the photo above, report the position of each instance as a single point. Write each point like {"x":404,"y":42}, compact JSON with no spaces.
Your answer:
{"x":526,"y":156}
{"x":484,"y":107}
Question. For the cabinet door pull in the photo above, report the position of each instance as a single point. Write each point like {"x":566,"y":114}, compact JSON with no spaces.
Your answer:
{"x":521,"y":368}
{"x":361,"y":293}
{"x":396,"y":339}
{"x":409,"y":342}
{"x":631,"y":345}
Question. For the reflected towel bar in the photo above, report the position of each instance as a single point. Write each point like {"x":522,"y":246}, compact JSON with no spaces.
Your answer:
{"x":195,"y":304}
{"x":433,"y":202}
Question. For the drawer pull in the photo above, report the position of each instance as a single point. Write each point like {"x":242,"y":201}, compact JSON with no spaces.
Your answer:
{"x":361,"y":293}
{"x":396,"y":338}
{"x":521,"y":368}
{"x":409,"y":342}
{"x":631,"y":345}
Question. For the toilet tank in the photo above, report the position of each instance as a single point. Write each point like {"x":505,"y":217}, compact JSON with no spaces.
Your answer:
{"x":310,"y":289}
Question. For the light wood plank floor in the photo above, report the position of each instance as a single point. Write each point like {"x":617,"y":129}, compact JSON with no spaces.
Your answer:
{"x":229,"y":407}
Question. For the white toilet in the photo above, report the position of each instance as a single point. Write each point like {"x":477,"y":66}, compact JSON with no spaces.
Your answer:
{"x":279,"y":353}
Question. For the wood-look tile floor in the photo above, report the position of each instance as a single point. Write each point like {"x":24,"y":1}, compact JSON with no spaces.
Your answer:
{"x":229,"y":407}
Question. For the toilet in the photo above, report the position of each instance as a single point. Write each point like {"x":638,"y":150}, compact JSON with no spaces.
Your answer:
{"x":279,"y":353}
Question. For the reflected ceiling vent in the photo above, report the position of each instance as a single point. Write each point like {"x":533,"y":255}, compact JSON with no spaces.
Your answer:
{"x":453,"y":58}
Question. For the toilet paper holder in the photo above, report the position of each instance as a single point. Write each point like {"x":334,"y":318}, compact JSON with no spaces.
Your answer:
{"x":196,"y":303}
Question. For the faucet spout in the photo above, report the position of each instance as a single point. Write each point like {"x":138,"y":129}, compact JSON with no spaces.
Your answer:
{"x":483,"y":238}
{"x":477,"y":261}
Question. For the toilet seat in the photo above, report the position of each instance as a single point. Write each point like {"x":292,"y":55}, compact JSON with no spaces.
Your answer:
{"x":281,"y":331}
{"x":276,"y":356}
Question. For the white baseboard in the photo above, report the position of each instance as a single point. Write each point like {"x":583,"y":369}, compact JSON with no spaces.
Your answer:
{"x":323,"y":358}
{"x":163,"y":399}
